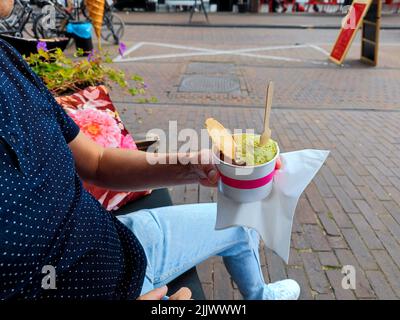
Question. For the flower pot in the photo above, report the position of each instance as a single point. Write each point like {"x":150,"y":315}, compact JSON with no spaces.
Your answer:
{"x":28,"y":46}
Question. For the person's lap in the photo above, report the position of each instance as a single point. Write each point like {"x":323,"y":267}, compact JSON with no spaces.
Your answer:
{"x":176,"y":238}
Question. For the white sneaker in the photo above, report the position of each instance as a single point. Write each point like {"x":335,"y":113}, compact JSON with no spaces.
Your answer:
{"x":283,"y":290}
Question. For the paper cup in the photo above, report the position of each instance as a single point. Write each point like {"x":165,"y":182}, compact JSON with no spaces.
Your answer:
{"x":245,"y":184}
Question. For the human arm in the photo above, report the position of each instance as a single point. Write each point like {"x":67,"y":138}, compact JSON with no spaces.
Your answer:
{"x":122,"y":169}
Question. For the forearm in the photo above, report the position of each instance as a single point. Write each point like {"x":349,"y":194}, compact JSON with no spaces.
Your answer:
{"x":121,"y":169}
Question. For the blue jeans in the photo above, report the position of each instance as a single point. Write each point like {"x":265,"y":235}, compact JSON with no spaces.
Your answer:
{"x":177,"y":238}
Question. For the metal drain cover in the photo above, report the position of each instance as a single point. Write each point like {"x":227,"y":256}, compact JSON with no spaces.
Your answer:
{"x":210,"y":68}
{"x":201,"y":83}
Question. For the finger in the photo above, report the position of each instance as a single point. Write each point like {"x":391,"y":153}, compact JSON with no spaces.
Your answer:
{"x":182,"y":294}
{"x":278,"y":164}
{"x":212,"y":175}
{"x":156,"y":294}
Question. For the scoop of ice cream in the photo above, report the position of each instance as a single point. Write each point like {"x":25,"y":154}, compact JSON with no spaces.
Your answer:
{"x":249,"y":149}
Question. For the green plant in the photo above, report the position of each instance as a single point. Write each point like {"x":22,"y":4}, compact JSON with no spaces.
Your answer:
{"x":63,"y":75}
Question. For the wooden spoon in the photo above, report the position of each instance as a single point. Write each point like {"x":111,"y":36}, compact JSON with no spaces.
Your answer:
{"x":266,"y":135}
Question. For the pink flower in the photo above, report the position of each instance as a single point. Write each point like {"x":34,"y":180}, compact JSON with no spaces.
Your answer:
{"x":99,"y":126}
{"x":128,"y":143}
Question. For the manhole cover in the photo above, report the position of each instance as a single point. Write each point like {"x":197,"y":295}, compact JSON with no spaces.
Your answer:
{"x":199,"y":83}
{"x":210,"y":68}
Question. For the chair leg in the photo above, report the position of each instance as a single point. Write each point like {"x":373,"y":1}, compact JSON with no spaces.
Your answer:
{"x":192,"y":11}
{"x":204,"y":10}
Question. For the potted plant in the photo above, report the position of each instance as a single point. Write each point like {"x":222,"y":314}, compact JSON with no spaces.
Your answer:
{"x":63,"y":75}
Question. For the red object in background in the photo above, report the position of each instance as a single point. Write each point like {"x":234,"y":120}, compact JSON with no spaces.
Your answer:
{"x":346,"y":35}
{"x":99,"y":99}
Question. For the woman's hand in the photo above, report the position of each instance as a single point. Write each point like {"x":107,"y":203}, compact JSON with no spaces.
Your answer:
{"x":205,"y":170}
{"x":160,"y":293}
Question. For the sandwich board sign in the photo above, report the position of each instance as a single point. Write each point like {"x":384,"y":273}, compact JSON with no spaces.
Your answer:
{"x":350,"y":24}
{"x":370,"y":34}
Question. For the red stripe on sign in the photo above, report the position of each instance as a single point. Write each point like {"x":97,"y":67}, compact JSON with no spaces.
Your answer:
{"x":247,"y":184}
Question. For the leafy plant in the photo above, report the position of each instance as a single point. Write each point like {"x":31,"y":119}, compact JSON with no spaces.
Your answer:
{"x":63,"y":75}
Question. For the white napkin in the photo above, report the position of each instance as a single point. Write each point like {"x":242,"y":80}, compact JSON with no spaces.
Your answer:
{"x":273,"y":216}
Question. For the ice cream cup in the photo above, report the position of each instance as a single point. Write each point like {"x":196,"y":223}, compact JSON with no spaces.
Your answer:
{"x":245,"y":183}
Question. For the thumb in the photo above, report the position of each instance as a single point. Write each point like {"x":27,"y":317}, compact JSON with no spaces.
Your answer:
{"x":156,"y":294}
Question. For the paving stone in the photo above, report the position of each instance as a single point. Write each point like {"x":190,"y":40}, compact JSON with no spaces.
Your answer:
{"x":363,"y":288}
{"x":316,"y":238}
{"x":366,"y":232}
{"x":315,"y":273}
{"x":389,"y":268}
{"x":315,"y":198}
{"x":390,"y":244}
{"x":359,"y":249}
{"x":382,"y":179}
{"x":295,"y":258}
{"x":337,"y":242}
{"x":392,"y":225}
{"x":300,"y":241}
{"x":322,"y":186}
{"x":353,"y":176}
{"x":376,"y":188}
{"x":325,"y":296}
{"x":393,"y":209}
{"x":329,"y":224}
{"x":376,"y":205}
{"x":205,"y":272}
{"x":349,"y":188}
{"x":335,"y":278}
{"x":301,"y":278}
{"x":370,"y":215}
{"x":276,"y":266}
{"x":336,"y":210}
{"x":304,"y":213}
{"x":394,"y":194}
{"x":380,"y":285}
{"x":329,"y":176}
{"x":328,"y":259}
{"x":208,"y":291}
{"x":223,"y":289}
{"x":345,"y":201}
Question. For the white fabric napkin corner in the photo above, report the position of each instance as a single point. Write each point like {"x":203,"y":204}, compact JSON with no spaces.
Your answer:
{"x":273,"y":216}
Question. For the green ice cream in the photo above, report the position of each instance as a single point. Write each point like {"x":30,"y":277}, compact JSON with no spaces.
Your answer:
{"x":250,"y":151}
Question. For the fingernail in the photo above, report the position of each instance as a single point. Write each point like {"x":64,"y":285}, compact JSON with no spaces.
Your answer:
{"x":212,"y":175}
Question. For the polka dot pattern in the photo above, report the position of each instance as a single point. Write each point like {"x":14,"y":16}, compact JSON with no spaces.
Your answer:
{"x":46,"y":217}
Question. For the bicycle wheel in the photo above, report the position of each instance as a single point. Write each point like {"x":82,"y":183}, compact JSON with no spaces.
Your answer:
{"x":113,"y":28}
{"x":43,"y":29}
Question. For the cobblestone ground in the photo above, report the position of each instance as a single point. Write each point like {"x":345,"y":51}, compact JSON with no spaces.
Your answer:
{"x":350,"y":213}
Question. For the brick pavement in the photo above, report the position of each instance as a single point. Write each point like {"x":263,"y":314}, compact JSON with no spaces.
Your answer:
{"x":350,"y":213}
{"x":247,"y":20}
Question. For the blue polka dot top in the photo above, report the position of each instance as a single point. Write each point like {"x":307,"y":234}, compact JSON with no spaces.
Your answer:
{"x":46,"y":217}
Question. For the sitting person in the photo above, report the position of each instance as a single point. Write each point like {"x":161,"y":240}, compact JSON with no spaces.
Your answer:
{"x":48,"y":219}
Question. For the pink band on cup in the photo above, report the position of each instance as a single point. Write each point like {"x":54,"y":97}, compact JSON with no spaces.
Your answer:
{"x":247,"y":184}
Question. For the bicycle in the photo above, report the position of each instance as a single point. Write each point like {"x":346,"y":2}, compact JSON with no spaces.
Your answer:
{"x":112,"y":30}
{"x":16,"y":24}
